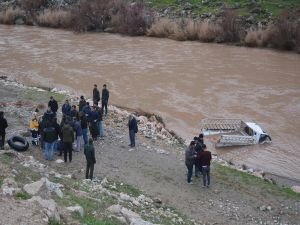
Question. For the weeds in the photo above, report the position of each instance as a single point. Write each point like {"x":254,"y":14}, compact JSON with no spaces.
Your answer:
{"x":23,"y":196}
{"x":9,"y":15}
{"x":55,"y":19}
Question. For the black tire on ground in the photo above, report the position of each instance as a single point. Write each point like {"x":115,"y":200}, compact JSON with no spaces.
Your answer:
{"x":22,"y":144}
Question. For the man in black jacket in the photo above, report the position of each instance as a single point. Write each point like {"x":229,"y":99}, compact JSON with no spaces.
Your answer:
{"x":3,"y":126}
{"x":50,"y":135}
{"x":133,"y":129}
{"x":96,"y":95}
{"x":89,"y":153}
{"x":105,"y":97}
{"x":53,"y":105}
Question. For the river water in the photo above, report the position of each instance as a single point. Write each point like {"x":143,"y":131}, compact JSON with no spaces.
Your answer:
{"x":184,"y":82}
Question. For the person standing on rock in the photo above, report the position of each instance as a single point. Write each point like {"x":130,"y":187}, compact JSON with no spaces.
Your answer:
{"x":96,"y":95}
{"x":3,"y":126}
{"x":53,"y":105}
{"x":133,"y":129}
{"x":89,"y":152}
{"x":204,"y":160}
{"x":190,"y":156}
{"x":68,"y":139}
{"x":105,"y":97}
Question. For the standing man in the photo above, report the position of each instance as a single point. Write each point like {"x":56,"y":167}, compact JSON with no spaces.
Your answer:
{"x":53,"y":105}
{"x":89,"y":153}
{"x":133,"y":129}
{"x":3,"y":126}
{"x":190,"y":156}
{"x":205,"y":159}
{"x":66,"y":108}
{"x":50,"y":135}
{"x":96,"y":95}
{"x":68,"y":139}
{"x":105,"y":97}
{"x":82,"y":103}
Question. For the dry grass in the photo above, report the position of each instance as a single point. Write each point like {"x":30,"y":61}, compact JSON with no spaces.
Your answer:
{"x":255,"y":38}
{"x":55,"y":18}
{"x":210,"y":32}
{"x":9,"y":15}
{"x":162,"y":28}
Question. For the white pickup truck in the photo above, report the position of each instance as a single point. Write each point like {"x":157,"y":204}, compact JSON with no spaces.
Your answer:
{"x":234,"y":132}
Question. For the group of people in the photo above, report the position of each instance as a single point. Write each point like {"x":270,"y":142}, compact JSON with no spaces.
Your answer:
{"x":77,"y":121}
{"x":197,"y":156}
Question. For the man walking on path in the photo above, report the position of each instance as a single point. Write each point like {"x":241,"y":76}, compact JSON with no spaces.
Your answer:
{"x":53,"y":105}
{"x":190,"y":156}
{"x":89,"y":153}
{"x":105,"y":97}
{"x":96,"y":95}
{"x":204,"y":160}
{"x":68,"y":139}
{"x":133,"y":129}
{"x":3,"y":126}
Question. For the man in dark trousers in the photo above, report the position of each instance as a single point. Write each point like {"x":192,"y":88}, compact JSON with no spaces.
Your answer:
{"x":68,"y":139}
{"x":133,"y":129}
{"x":105,"y":97}
{"x":204,"y":161}
{"x":89,"y":153}
{"x":53,"y":105}
{"x":190,"y":156}
{"x":3,"y":126}
{"x":96,"y":95}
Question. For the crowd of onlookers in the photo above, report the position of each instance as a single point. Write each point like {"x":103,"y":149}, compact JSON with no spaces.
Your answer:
{"x":197,"y":156}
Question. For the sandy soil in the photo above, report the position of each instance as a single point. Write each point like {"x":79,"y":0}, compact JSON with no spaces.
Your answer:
{"x":162,"y":175}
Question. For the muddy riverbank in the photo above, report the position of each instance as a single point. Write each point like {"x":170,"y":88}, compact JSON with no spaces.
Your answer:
{"x":156,"y":167}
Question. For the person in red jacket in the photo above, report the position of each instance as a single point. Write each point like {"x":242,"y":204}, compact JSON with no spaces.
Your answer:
{"x":204,"y":161}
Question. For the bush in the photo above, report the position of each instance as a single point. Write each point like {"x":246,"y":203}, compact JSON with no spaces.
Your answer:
{"x":230,"y":26}
{"x":186,"y":29}
{"x":255,"y":38}
{"x":29,"y":5}
{"x":283,"y":33}
{"x":162,"y":28}
{"x":9,"y":15}
{"x":210,"y":32}
{"x":55,"y":18}
{"x":133,"y":19}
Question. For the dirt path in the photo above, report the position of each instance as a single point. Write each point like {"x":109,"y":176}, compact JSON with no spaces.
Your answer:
{"x":157,"y":168}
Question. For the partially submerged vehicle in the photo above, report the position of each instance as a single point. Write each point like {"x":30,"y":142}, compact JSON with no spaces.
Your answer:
{"x":234,"y":132}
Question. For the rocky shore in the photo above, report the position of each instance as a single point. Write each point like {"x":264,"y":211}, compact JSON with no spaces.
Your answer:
{"x":143,"y":185}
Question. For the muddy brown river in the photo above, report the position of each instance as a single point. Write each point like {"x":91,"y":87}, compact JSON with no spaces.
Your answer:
{"x":182,"y":81}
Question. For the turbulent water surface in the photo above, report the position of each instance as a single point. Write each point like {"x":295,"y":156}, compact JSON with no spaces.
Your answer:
{"x":182,"y":81}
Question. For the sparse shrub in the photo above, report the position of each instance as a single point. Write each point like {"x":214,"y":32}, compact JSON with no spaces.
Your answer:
{"x":210,"y":32}
{"x":55,"y":18}
{"x":230,"y":26}
{"x":283,"y":33}
{"x":255,"y":38}
{"x":162,"y":28}
{"x":185,"y":29}
{"x":9,"y":15}
{"x":133,"y":19}
{"x":29,"y":5}
{"x":93,"y":15}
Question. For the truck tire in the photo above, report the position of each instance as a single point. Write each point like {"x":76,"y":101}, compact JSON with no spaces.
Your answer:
{"x":18,"y":143}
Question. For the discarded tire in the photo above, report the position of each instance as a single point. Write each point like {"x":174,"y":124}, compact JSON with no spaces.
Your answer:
{"x":18,"y":143}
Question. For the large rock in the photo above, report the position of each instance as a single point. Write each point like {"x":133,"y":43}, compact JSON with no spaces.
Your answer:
{"x":9,"y":187}
{"x":48,"y":206}
{"x":76,"y":208}
{"x":41,"y":185}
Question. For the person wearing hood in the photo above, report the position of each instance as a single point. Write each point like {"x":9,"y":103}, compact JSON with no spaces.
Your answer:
{"x":133,"y":129}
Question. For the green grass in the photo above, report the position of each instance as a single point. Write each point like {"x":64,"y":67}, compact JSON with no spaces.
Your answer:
{"x":23,"y":196}
{"x":126,"y":188}
{"x":273,"y":6}
{"x":246,"y":181}
{"x":6,"y":158}
{"x":53,"y":222}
